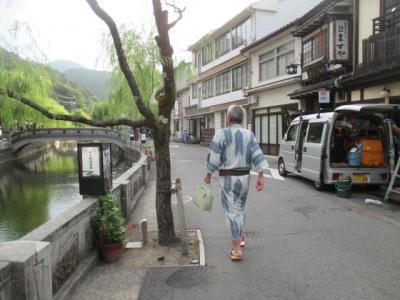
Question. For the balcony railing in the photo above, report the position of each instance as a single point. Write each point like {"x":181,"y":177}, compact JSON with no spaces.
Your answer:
{"x":381,"y":51}
{"x":385,"y":22}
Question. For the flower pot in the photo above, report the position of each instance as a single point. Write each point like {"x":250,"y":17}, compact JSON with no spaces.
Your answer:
{"x":111,"y":252}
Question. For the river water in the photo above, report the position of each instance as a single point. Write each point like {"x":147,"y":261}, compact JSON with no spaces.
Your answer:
{"x":37,"y":190}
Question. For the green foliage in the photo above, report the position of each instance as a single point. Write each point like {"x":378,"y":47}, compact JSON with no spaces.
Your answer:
{"x":109,"y":222}
{"x":37,"y":82}
{"x":81,"y":113}
{"x":144,"y":60}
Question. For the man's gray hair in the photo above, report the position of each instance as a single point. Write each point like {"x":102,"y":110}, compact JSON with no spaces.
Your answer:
{"x":235,"y":114}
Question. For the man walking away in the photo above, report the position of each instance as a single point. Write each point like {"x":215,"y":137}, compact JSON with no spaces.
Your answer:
{"x":233,"y":151}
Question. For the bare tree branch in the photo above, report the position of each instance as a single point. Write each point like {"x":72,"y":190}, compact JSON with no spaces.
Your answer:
{"x":166,"y":51}
{"x":143,"y":109}
{"x":77,"y":119}
{"x":179,"y":11}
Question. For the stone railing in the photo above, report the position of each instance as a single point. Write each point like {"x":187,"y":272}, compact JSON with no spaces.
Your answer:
{"x":21,"y":139}
{"x":48,"y":262}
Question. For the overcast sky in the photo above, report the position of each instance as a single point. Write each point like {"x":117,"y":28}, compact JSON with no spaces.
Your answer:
{"x":68,"y":29}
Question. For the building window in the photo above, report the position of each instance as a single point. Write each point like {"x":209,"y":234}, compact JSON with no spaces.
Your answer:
{"x":267,"y":65}
{"x":194,"y":91}
{"x":223,"y":44}
{"x":239,"y":34}
{"x":285,"y":57}
{"x":223,"y":116}
{"x":240,"y":77}
{"x":207,"y":54}
{"x":223,"y":83}
{"x":208,"y":88}
{"x":315,"y":47}
{"x":274,"y":62}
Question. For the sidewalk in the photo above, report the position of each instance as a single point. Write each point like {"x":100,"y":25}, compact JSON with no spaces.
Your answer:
{"x":121,"y":280}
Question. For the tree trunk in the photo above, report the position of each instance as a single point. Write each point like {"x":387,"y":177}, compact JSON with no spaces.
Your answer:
{"x":165,"y":221}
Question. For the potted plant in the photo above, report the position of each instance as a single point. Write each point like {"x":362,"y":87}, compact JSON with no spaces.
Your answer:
{"x":109,"y":225}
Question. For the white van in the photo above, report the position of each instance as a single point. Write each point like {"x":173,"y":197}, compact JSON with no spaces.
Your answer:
{"x":322,"y":147}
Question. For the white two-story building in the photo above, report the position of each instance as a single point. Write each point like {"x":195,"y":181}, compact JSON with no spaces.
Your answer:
{"x":272,"y":58}
{"x":223,"y":72}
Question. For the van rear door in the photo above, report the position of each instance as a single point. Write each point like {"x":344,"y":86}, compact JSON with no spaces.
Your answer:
{"x":312,"y":149}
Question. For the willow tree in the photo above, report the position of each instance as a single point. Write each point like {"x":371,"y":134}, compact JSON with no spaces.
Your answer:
{"x":158,"y":123}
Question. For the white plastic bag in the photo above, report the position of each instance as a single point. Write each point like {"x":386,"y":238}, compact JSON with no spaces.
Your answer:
{"x":203,"y":197}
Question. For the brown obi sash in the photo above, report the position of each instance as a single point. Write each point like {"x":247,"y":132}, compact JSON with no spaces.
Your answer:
{"x":234,"y":172}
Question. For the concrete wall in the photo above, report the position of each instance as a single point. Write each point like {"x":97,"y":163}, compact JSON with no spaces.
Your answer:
{"x":276,"y":97}
{"x":48,"y":262}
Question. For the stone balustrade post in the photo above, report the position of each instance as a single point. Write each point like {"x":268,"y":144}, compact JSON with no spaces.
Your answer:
{"x":30,"y":268}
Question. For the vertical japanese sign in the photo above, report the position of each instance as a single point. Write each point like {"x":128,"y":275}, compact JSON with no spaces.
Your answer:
{"x":341,"y":40}
{"x":90,"y":161}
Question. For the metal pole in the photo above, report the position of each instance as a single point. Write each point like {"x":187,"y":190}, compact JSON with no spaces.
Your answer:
{"x":181,"y":216}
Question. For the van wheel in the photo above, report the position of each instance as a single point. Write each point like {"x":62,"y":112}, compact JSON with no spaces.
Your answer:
{"x":319,"y":185}
{"x":281,"y":168}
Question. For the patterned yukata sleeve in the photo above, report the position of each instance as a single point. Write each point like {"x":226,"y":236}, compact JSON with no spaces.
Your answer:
{"x":257,"y":156}
{"x":214,"y":153}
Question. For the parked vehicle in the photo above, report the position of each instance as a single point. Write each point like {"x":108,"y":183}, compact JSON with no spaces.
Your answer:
{"x":354,"y":141}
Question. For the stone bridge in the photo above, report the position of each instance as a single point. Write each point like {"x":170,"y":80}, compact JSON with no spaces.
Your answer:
{"x":20,"y":140}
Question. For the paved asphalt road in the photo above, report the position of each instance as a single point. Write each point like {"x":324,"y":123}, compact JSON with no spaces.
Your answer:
{"x":301,"y":244}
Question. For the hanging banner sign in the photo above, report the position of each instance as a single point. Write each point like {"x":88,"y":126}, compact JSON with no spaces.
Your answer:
{"x":339,"y":40}
{"x":324,"y":96}
{"x":342,"y":39}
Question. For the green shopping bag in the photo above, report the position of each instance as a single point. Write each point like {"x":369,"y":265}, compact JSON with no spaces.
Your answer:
{"x":203,"y":197}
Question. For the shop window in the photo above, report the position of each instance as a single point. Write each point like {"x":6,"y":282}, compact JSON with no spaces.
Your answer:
{"x":315,"y":133}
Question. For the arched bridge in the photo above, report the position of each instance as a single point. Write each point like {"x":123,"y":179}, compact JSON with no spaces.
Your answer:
{"x":31,"y":136}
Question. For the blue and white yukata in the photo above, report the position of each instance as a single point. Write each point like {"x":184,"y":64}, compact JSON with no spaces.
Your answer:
{"x":231,"y":148}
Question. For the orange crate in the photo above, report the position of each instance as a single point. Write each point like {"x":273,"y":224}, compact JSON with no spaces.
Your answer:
{"x":372,"y":152}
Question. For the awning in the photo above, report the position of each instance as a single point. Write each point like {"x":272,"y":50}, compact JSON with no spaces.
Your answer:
{"x":226,"y":105}
{"x":312,"y":89}
{"x":195,"y":113}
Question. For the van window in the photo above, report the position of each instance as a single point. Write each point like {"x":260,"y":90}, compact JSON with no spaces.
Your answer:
{"x":315,"y":133}
{"x":292,"y":133}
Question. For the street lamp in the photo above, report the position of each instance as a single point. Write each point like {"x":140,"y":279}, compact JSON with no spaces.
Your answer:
{"x":291,"y":69}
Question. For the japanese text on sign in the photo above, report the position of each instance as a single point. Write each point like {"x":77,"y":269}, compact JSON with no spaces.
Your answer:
{"x":324,"y":96}
{"x":90,"y":161}
{"x":342,"y":39}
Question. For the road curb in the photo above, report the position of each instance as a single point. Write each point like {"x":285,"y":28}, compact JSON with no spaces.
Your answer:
{"x":201,"y":248}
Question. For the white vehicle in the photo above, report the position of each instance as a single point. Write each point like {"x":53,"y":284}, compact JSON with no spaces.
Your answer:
{"x":326,"y":147}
